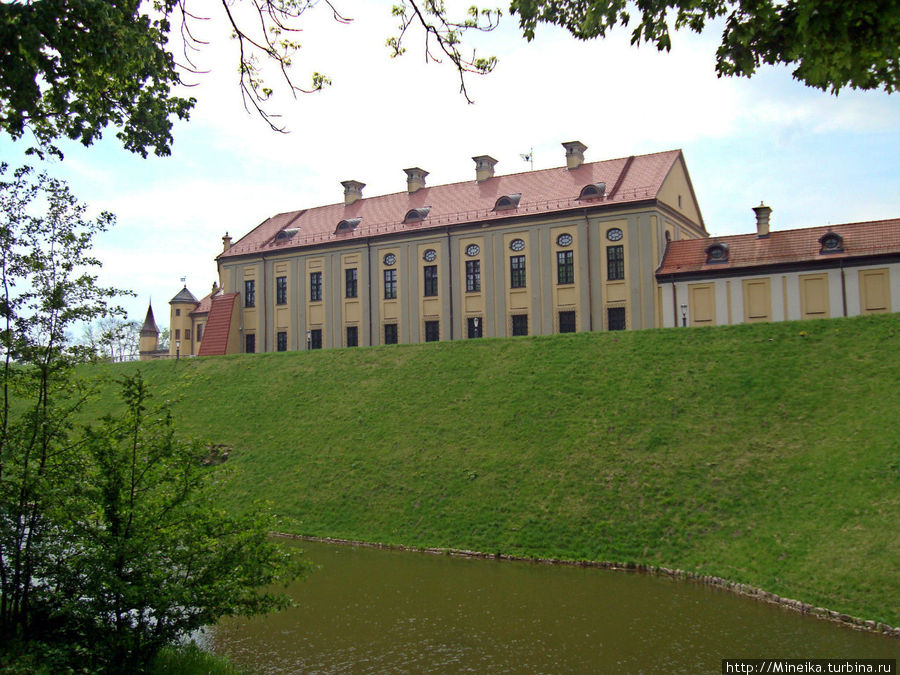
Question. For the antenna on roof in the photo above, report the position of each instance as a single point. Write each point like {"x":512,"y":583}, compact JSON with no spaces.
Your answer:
{"x":528,"y":157}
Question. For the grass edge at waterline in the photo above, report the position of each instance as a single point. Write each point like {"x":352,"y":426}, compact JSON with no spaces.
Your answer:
{"x":764,"y":454}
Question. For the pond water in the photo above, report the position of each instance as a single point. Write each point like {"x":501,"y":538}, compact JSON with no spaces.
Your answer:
{"x":375,"y":611}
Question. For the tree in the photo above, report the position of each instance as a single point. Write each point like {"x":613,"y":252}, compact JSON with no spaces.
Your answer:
{"x":831,"y":44}
{"x":151,"y":557}
{"x":112,"y":338}
{"x":46,"y":285}
{"x":110,"y":541}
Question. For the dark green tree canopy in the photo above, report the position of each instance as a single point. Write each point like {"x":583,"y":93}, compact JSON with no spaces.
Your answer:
{"x":70,"y":69}
{"x":831,"y":44}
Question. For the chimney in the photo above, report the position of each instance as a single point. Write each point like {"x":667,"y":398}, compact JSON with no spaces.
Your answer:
{"x":762,"y":220}
{"x":226,"y":242}
{"x":352,"y":191}
{"x":415,"y":179}
{"x":484,"y":167}
{"x":574,"y":154}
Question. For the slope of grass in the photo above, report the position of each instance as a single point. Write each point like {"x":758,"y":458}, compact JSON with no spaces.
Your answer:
{"x":765,"y":454}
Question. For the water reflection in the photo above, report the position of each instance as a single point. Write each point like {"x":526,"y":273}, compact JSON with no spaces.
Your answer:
{"x":373,"y":611}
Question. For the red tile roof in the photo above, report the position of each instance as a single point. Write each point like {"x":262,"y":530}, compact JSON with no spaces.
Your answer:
{"x":630,"y":179}
{"x":215,"y":335}
{"x":688,"y":256}
{"x":204,"y":305}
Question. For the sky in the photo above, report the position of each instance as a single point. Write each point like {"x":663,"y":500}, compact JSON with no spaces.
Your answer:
{"x":815,"y":158}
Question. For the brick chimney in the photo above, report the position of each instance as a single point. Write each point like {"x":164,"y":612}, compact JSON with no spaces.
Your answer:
{"x":415,"y":179}
{"x":762,"y":220}
{"x":226,"y":242}
{"x":352,"y":191}
{"x":484,"y":167}
{"x":574,"y":154}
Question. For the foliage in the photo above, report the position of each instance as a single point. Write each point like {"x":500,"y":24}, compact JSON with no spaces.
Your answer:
{"x":45,"y":287}
{"x":754,"y":453}
{"x":111,"y":542}
{"x":152,"y":557}
{"x":112,"y":338}
{"x":831,"y":44}
{"x":189,"y":659}
{"x":78,"y":67}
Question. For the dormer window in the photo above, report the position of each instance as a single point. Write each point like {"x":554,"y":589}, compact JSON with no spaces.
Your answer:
{"x":717,"y":253}
{"x":593,"y":191}
{"x":831,"y":242}
{"x":347,"y":225}
{"x":417,"y":215}
{"x":287,"y":234}
{"x":507,"y":202}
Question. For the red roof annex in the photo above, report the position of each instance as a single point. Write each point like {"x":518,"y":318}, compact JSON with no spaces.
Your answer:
{"x":867,"y":239}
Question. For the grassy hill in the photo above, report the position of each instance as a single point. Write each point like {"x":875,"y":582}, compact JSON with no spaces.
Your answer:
{"x":766,"y":454}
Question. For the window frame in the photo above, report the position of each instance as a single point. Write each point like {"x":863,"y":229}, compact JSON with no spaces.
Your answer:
{"x":518,"y":277}
{"x":517,"y":328}
{"x":390,"y":284}
{"x":351,"y":282}
{"x":619,"y":324}
{"x":354,"y":331}
{"x":473,"y":276}
{"x":315,"y":287}
{"x":565,"y":267}
{"x":430,"y":281}
{"x":249,"y":292}
{"x":281,"y":290}
{"x":432,"y":331}
{"x":281,"y":341}
{"x":315,"y":338}
{"x":391,"y":334}
{"x":250,"y":343}
{"x":570,"y":325}
{"x":615,"y":262}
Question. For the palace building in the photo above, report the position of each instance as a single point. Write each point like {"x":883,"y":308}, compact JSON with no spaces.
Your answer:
{"x":589,"y":246}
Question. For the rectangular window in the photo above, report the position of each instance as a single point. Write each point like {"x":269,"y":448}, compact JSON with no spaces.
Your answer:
{"x":187,"y":333}
{"x":520,"y":324}
{"x":352,"y":336}
{"x":390,"y":333}
{"x":315,"y":286}
{"x":473,"y":276}
{"x":350,"y":283}
{"x":199,"y":332}
{"x":280,"y":290}
{"x":431,"y":280}
{"x":565,"y":267}
{"x":615,"y":318}
{"x":390,"y":284}
{"x":250,"y":343}
{"x":177,"y":333}
{"x":567,"y":322}
{"x":315,"y":338}
{"x":177,"y":312}
{"x":474,"y":327}
{"x":432,"y":331}
{"x":615,"y":262}
{"x":281,"y":342}
{"x":250,"y":293}
{"x":517,"y":271}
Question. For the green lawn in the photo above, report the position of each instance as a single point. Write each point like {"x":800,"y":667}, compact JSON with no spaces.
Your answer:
{"x":766,"y":454}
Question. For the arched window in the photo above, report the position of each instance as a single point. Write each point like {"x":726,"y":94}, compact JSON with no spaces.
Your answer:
{"x":417,"y":215}
{"x":831,"y":242}
{"x":717,"y":253}
{"x":593,"y":191}
{"x":347,"y":225}
{"x":287,"y":234}
{"x":507,"y":202}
